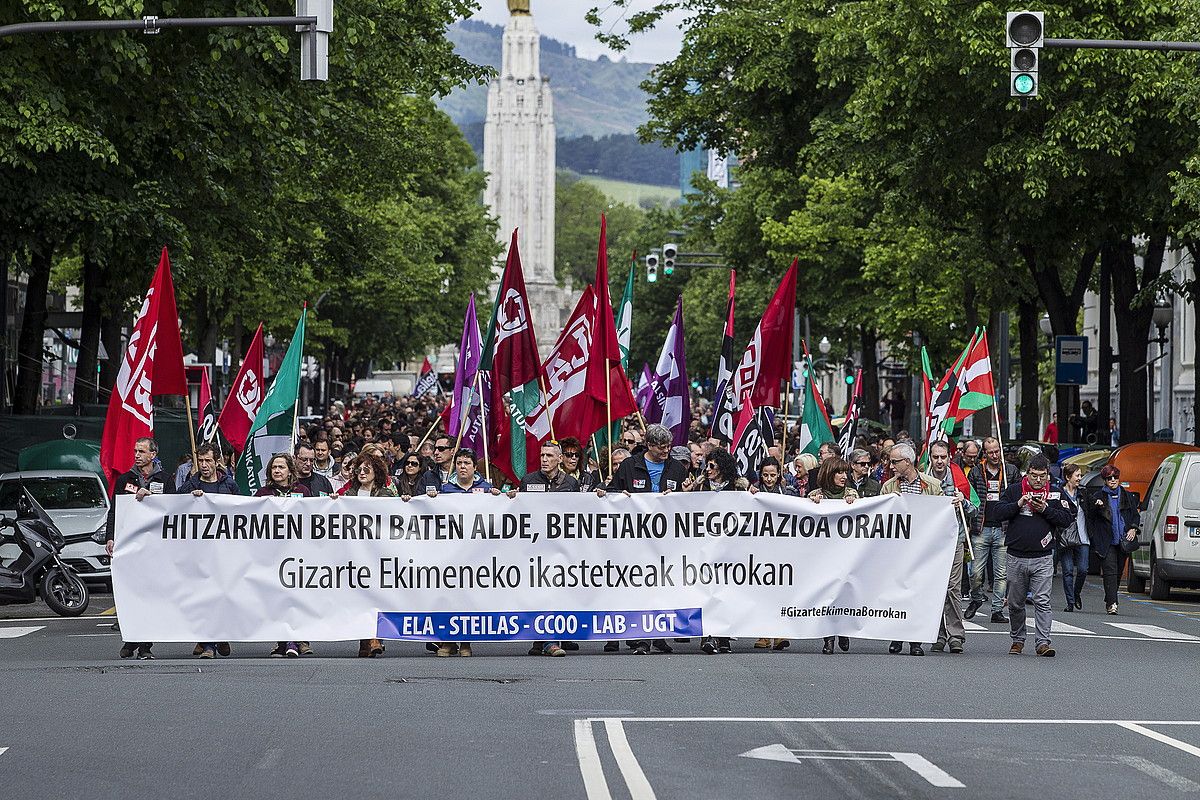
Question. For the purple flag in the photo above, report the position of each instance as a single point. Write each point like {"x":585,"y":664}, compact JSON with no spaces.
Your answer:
{"x":671,"y":400}
{"x":645,"y":390}
{"x":465,"y":396}
{"x":472,"y":435}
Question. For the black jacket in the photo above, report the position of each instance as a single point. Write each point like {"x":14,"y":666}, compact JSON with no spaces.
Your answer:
{"x":980,"y":484}
{"x":224,"y":484}
{"x":1098,"y":515}
{"x":160,"y":482}
{"x":1030,"y":534}
{"x":632,"y":476}
{"x":537,"y":478}
{"x":317,"y":485}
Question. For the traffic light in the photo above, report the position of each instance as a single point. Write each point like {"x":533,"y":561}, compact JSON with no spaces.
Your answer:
{"x":670,"y":251}
{"x":314,"y":42}
{"x":651,"y":268}
{"x":1025,"y":34}
{"x":848,"y":366}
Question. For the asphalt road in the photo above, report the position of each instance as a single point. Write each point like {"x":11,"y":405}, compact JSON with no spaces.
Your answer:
{"x":1100,"y":720}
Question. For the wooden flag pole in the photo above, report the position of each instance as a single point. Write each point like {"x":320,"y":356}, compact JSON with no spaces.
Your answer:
{"x":187,"y":403}
{"x":426,"y":436}
{"x":545,"y":397}
{"x":470,"y":402}
{"x":487,"y":470}
{"x":608,"y":418}
{"x":787,"y":396}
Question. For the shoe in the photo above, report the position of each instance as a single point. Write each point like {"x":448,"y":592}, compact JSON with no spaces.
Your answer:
{"x":999,"y":617}
{"x":827,"y":647}
{"x":708,"y":645}
{"x":144,"y":654}
{"x":916,"y":650}
{"x":844,"y":643}
{"x":207,"y":652}
{"x":198,"y":649}
{"x":1016,"y":648}
{"x":938,"y":647}
{"x":571,"y":646}
{"x":127,"y":649}
{"x":612,"y":647}
{"x":535,"y":650}
{"x":553,"y":650}
{"x":661,"y":646}
{"x":1045,"y":650}
{"x":723,"y":645}
{"x":374,"y":648}
{"x":280,"y":649}
{"x":972,"y":607}
{"x":292,"y":651}
{"x":1112,"y":608}
{"x":956,"y":647}
{"x":782,"y":644}
{"x":1078,"y":604}
{"x":464,"y":650}
{"x":762,"y":644}
{"x":223,"y":649}
{"x":305,"y":649}
{"x":895,"y":647}
{"x":1070,"y":607}
{"x":431,"y":647}
{"x":443,"y":651}
{"x":642,"y":650}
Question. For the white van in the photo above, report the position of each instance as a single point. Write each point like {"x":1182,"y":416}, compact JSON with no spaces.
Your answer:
{"x":1170,"y":553}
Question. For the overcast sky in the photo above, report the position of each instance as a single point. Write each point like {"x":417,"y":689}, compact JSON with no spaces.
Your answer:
{"x":563,"y":20}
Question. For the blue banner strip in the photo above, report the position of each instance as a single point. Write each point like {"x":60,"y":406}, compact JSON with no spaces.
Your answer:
{"x":506,"y":626}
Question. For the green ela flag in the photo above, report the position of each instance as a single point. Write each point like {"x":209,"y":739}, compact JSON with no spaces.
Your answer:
{"x":815,"y":429}
{"x":274,"y":426}
{"x":624,"y":321}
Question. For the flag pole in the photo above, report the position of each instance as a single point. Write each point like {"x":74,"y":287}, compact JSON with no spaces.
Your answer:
{"x":487,"y":470}
{"x":426,"y":436}
{"x":187,"y":403}
{"x":787,"y":396}
{"x":608,"y":416}
{"x":470,"y":402}
{"x":545,"y":396}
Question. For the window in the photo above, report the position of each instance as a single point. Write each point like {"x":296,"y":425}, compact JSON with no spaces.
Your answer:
{"x":1191,"y":488}
{"x":55,"y":493}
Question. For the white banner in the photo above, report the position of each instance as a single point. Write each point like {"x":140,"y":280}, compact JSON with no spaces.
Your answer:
{"x":483,"y":567}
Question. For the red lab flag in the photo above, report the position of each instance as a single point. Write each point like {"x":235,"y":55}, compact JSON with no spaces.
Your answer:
{"x":152,"y":365}
{"x":606,"y":380}
{"x":237,"y":415}
{"x":767,"y":361}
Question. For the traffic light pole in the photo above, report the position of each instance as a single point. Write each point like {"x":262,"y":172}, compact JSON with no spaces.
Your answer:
{"x":1121,"y":44}
{"x":152,"y":25}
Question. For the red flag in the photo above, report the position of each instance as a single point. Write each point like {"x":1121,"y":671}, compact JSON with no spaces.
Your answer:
{"x":568,"y":404}
{"x":153,"y":365}
{"x":237,"y":415}
{"x":767,"y":361}
{"x":605,"y":356}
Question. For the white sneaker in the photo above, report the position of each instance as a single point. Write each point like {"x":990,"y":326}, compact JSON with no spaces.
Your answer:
{"x":1112,"y":608}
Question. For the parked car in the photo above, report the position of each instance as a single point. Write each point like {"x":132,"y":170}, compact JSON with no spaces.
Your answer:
{"x":1170,"y":554}
{"x":77,"y":502}
{"x":1139,"y":461}
{"x":1089,"y":460}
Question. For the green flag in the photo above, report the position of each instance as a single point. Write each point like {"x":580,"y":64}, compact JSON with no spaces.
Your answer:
{"x":815,"y":429}
{"x":275,"y":423}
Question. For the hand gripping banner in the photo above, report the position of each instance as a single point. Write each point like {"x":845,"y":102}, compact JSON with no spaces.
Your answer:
{"x":489,"y":568}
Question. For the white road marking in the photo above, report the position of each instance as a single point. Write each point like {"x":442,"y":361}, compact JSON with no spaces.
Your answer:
{"x":3,"y":750}
{"x":931,"y":772}
{"x":52,"y":619}
{"x":589,"y":762}
{"x":1062,"y":627}
{"x":13,"y":633}
{"x":1161,"y":773}
{"x":771,"y":752}
{"x":1153,"y":631}
{"x":973,"y":626}
{"x":635,"y":779}
{"x":1161,"y":737}
{"x":906,"y":720}
{"x":89,"y":635}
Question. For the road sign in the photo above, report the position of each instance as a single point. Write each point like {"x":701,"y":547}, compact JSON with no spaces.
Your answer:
{"x":1071,"y":360}
{"x":917,"y":763}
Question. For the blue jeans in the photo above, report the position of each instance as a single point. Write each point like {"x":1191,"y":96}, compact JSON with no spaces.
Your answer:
{"x":989,"y":550}
{"x":1074,"y":562}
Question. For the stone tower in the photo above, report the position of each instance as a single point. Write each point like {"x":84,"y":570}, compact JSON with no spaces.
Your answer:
{"x":518,"y":155}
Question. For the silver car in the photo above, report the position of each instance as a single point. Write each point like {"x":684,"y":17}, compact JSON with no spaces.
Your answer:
{"x":77,"y":501}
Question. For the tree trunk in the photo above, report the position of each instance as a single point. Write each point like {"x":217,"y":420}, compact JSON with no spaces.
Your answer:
{"x":33,"y":329}
{"x":868,"y":338}
{"x":110,"y":334}
{"x":89,"y":335}
{"x":1133,"y":333}
{"x":1027,"y":327}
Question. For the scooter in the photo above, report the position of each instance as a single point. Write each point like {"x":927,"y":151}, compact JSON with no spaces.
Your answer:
{"x":39,"y":570}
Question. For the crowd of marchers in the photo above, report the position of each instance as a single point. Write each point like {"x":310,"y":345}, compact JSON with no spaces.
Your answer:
{"x":1016,"y":530}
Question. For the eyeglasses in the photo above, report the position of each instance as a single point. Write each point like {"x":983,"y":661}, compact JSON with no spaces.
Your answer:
{"x":572,"y":454}
{"x":441,"y":448}
{"x":629,"y":441}
{"x":365,"y":468}
{"x":897,"y":460}
{"x":1113,"y":478}
{"x":711,"y":465}
{"x":412,"y":463}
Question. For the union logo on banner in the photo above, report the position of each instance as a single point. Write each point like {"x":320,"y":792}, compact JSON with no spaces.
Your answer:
{"x":747,"y":369}
{"x":512,"y":317}
{"x":134,"y":383}
{"x":249,"y":393}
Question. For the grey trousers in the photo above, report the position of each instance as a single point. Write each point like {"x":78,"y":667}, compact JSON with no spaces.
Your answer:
{"x":952,"y":628}
{"x":1035,"y":576}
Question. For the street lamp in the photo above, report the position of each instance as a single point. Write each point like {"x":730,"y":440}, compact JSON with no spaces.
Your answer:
{"x":1044,"y":324}
{"x":1162,"y":317}
{"x":824,"y":346}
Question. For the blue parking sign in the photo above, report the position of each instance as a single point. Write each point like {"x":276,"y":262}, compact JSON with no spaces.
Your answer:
{"x":1071,"y":360}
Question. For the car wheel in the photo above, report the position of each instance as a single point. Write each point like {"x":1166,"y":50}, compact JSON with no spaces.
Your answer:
{"x":1159,"y":588}
{"x":1137,"y":584}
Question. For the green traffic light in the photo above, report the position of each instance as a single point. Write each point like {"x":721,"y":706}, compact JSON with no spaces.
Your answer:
{"x":849,"y":380}
{"x":652,"y":277}
{"x":1024,"y":84}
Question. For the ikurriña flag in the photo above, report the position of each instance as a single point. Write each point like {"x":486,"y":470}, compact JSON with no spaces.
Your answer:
{"x":152,"y":365}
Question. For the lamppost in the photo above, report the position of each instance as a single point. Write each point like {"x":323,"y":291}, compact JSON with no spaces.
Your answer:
{"x":1162,"y":317}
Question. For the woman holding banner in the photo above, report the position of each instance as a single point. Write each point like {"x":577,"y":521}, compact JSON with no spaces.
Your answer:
{"x":720,"y":475}
{"x":833,"y":483}
{"x":281,"y":482}
{"x":770,"y":481}
{"x":369,"y":478}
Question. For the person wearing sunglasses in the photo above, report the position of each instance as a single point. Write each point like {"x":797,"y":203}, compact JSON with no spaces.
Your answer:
{"x":442,"y":469}
{"x":860,"y":474}
{"x":369,"y":479}
{"x":408,"y":475}
{"x":720,"y":475}
{"x":574,"y":466}
{"x":770,"y":481}
{"x":1112,"y":518}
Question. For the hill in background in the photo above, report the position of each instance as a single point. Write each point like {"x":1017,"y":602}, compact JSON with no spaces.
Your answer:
{"x":598,"y":106}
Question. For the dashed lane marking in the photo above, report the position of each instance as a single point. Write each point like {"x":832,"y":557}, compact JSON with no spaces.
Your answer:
{"x":1161,"y":737}
{"x":14,"y":633}
{"x":1062,"y":627}
{"x":1153,"y":631}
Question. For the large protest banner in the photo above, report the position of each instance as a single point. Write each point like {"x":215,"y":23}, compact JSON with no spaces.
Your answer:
{"x":540,"y":566}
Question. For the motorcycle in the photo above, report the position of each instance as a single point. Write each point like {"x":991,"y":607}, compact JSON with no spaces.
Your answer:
{"x":39,"y":570}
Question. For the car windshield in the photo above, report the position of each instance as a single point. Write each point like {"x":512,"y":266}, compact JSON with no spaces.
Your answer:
{"x":54,"y":493}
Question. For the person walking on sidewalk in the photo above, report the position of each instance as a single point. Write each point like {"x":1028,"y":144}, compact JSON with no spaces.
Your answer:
{"x":1032,"y":509}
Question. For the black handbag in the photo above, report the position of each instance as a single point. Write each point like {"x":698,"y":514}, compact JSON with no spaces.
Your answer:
{"x":1069,"y":536}
{"x":1130,"y":546}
